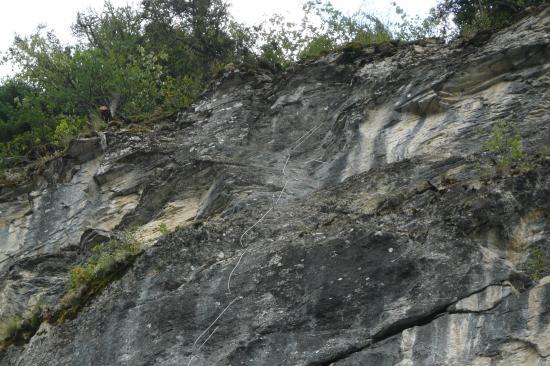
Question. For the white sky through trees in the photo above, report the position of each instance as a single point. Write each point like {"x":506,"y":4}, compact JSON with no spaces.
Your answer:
{"x":23,"y":16}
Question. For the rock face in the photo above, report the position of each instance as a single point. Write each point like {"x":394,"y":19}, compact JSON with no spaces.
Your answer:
{"x":346,"y":213}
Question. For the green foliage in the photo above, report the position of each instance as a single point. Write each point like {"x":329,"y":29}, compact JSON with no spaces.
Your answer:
{"x":108,"y":261}
{"x":163,"y":228}
{"x":202,"y":30}
{"x":106,"y":258}
{"x":272,"y":55}
{"x":414,"y":28}
{"x":78,"y":79}
{"x":81,"y":275}
{"x":67,"y":128}
{"x":480,"y":23}
{"x":18,"y":329}
{"x":322,"y":30}
{"x":280,"y":41}
{"x":9,"y":328}
{"x":25,"y":126}
{"x":145,"y":61}
{"x":178,"y":92}
{"x":471,"y":16}
{"x":506,"y":145}
{"x":11,"y":95}
{"x":319,"y":46}
{"x":537,"y":266}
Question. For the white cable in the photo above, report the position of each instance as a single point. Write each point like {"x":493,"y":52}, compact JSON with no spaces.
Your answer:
{"x":191,"y":360}
{"x":304,"y":136}
{"x":252,"y":227}
{"x":210,"y":336}
{"x":212,"y":324}
{"x":308,"y":134}
{"x":286,"y":163}
{"x":280,"y":194}
{"x":234,"y":269}
{"x":296,"y":144}
{"x":246,"y":250}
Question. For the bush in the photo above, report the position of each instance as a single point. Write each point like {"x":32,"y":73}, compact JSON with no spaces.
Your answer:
{"x":106,"y":258}
{"x":9,"y":328}
{"x":163,"y":228}
{"x":471,"y":16}
{"x":108,"y":261}
{"x":366,"y":38}
{"x":506,"y":144}
{"x":67,"y":129}
{"x":80,"y":276}
{"x":179,"y":92}
{"x":480,"y":23}
{"x":18,"y":329}
{"x":322,"y":30}
{"x":319,"y":46}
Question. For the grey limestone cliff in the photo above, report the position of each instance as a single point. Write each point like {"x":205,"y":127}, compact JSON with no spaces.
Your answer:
{"x":383,"y":233}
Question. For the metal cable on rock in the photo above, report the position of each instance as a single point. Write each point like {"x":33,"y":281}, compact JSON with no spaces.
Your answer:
{"x":293,"y":147}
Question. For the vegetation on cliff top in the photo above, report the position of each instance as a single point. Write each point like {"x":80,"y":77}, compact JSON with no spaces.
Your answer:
{"x":141,"y":63}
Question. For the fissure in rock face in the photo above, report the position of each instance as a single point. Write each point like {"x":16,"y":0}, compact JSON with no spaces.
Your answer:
{"x":351,"y":203}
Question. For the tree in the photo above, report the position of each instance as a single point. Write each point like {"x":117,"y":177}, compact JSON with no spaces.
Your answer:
{"x":480,"y":14}
{"x":322,"y":29}
{"x":197,"y":35}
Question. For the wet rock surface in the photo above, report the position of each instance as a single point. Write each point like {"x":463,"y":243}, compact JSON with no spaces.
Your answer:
{"x":388,"y":236}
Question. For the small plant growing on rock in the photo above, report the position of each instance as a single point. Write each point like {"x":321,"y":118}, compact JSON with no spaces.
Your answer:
{"x":319,"y":46}
{"x":108,"y":262}
{"x":18,"y":329}
{"x":537,"y":266}
{"x":66,"y":130}
{"x":105,"y":259}
{"x":8,"y":328}
{"x":163,"y":228}
{"x":506,"y":144}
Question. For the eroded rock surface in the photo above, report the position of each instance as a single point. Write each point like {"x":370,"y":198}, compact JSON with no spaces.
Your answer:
{"x":388,"y":237}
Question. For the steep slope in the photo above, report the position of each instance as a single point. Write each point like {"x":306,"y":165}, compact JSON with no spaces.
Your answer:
{"x":344,"y":214}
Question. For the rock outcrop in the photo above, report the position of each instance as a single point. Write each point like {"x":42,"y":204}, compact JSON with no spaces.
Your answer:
{"x":346,"y":213}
